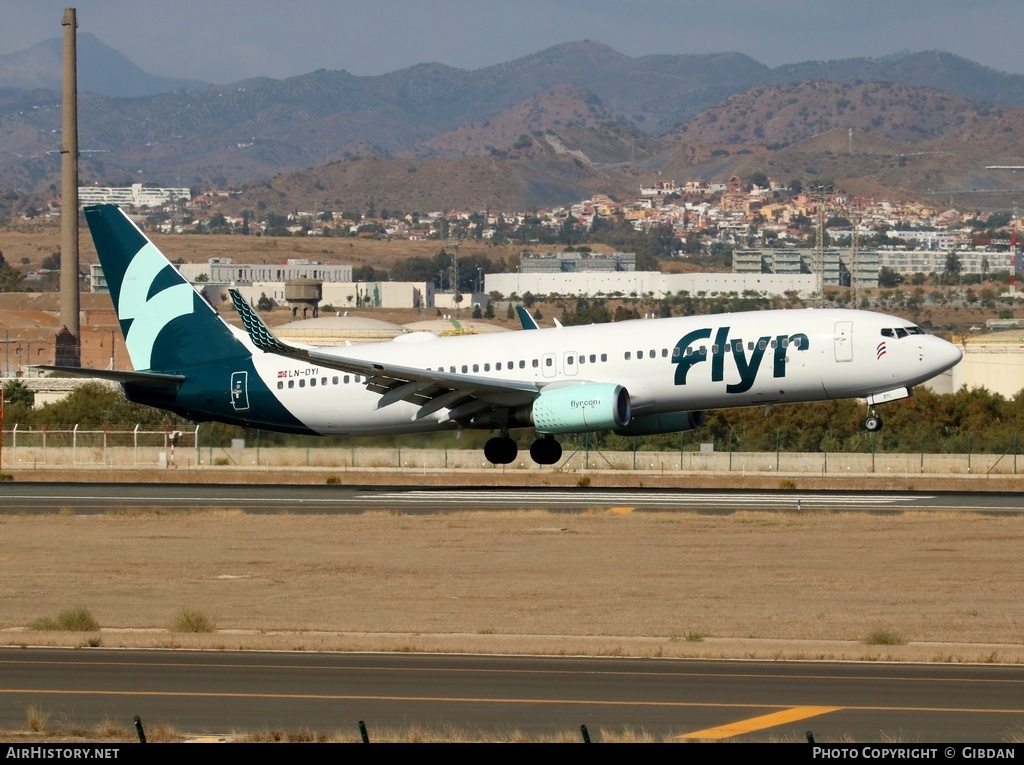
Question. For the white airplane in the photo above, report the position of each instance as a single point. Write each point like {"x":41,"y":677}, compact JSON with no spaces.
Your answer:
{"x":634,"y":377}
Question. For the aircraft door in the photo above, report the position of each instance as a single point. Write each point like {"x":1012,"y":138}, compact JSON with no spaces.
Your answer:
{"x":569,"y":363}
{"x":240,"y":391}
{"x":844,"y":341}
{"x":547,"y":365}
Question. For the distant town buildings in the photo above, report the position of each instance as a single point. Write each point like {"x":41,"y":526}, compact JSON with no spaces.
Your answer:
{"x":135,"y":195}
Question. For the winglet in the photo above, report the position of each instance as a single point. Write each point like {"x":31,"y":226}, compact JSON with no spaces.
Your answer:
{"x":525,"y":319}
{"x":259,"y":333}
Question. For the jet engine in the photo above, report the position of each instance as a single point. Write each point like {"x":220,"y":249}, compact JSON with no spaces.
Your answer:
{"x":581,"y":408}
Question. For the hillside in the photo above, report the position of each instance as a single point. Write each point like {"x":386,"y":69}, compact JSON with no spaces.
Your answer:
{"x":543,"y":129}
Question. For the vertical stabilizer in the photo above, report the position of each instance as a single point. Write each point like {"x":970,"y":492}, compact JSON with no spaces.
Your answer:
{"x":167,"y":325}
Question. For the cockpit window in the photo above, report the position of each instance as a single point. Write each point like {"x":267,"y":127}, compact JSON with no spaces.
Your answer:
{"x":902,"y":331}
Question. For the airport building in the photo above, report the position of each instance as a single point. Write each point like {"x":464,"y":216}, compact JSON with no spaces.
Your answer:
{"x":840,"y":268}
{"x":135,"y":195}
{"x":656,"y":283}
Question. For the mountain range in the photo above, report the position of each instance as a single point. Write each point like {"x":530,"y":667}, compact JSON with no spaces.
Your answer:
{"x":540,"y":130}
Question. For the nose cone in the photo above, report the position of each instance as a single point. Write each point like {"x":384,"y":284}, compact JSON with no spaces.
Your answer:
{"x":942,"y":355}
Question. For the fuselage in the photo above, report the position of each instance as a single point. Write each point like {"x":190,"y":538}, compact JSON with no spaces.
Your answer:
{"x":666,"y":365}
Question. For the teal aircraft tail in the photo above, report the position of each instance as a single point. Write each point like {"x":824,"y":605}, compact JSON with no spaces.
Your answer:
{"x":167,"y":325}
{"x":187,"y":359}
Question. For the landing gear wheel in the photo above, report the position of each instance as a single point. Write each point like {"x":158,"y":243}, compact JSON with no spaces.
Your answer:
{"x":546,"y":451}
{"x":501,"y":451}
{"x":873,"y":423}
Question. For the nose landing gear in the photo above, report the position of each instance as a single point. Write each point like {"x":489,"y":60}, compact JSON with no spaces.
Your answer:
{"x":872,"y":423}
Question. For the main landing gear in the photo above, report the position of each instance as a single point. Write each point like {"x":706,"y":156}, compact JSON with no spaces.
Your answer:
{"x":872,"y":423}
{"x":546,"y":451}
{"x":502,"y":450}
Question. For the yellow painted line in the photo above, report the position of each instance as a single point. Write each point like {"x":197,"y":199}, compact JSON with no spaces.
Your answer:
{"x":621,"y":510}
{"x":760,"y":723}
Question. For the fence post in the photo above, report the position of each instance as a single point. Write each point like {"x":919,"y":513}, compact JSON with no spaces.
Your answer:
{"x":969,"y":434}
{"x":873,"y":449}
{"x":74,"y":445}
{"x":135,"y":445}
{"x":778,"y":448}
{"x":824,"y":469}
{"x":1015,"y":452}
{"x":922,"y":453}
{"x":44,"y":443}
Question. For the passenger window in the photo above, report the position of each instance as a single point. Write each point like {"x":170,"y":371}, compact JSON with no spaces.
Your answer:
{"x":497,"y":367}
{"x":465,"y":368}
{"x":714,"y":348}
{"x":583,"y":359}
{"x":604,"y":357}
{"x":762,"y":344}
{"x":568,"y":361}
{"x":628,"y":356}
{"x":536,"y":363}
{"x":548,"y":361}
{"x":703,"y":350}
{"x":312,"y":383}
{"x":291,"y":383}
{"x":323,"y":381}
{"x":675,"y":352}
{"x":796,"y":342}
{"x":593,"y":358}
{"x":346,"y":379}
{"x":639,"y":354}
{"x":334,"y":380}
{"x":476,"y":367}
{"x":654,"y":354}
{"x":522,"y":364}
{"x":487,"y":367}
{"x":775,"y":344}
{"x":302,"y":383}
{"x":280,"y":384}
{"x":664,"y":353}
{"x":785,"y":342}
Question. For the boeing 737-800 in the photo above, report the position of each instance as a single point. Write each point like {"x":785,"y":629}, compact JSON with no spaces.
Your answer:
{"x":634,"y":377}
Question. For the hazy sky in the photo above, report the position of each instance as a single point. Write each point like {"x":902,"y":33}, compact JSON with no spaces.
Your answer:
{"x":224,"y":41}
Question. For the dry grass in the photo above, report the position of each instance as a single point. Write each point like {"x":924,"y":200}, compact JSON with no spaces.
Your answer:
{"x":36,"y":718}
{"x":77,"y":619}
{"x":191,"y":620}
{"x":759,"y":585}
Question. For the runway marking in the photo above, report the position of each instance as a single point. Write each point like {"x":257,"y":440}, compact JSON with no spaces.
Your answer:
{"x":488,"y":700}
{"x":621,"y":510}
{"x":508,"y":671}
{"x":759,"y":723}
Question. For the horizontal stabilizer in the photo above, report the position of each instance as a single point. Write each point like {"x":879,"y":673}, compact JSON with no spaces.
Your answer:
{"x":145,"y":379}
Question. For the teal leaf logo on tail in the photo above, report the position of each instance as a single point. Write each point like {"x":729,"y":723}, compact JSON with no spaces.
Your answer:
{"x":144,"y":308}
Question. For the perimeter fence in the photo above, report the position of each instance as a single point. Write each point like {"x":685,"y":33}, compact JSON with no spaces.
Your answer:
{"x":837,"y":454}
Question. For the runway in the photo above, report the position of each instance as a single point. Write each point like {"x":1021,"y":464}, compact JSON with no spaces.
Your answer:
{"x":492,"y":697}
{"x":99,"y":498}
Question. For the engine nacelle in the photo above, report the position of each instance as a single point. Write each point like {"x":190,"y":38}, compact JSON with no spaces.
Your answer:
{"x":669,"y":422}
{"x":581,"y":408}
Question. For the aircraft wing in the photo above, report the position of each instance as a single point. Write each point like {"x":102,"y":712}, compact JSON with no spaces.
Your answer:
{"x":465,"y":395}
